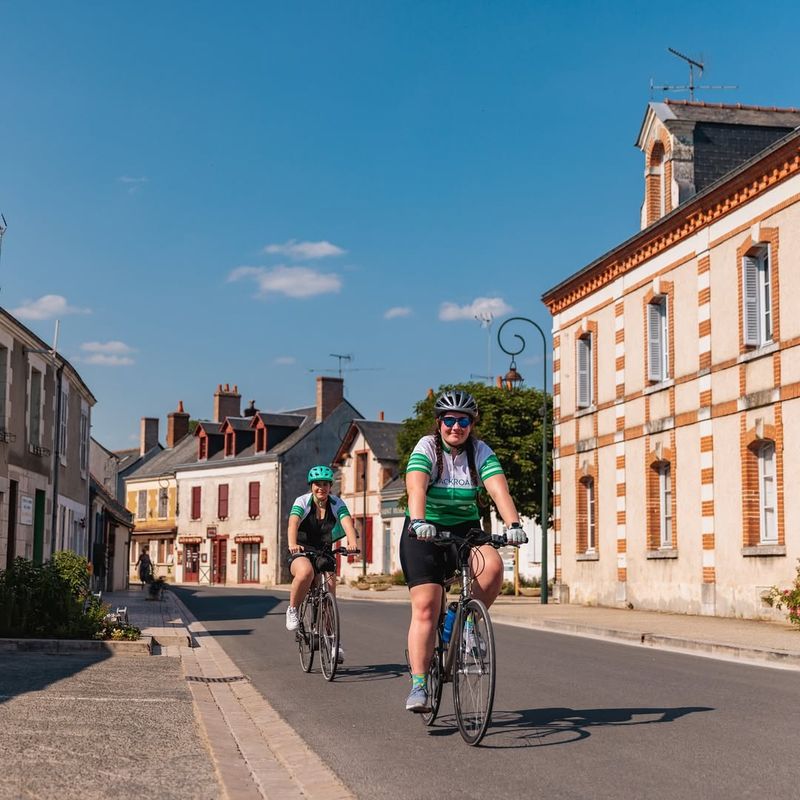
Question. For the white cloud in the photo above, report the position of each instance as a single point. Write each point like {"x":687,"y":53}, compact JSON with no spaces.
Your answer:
{"x":105,"y":360}
{"x":47,"y":307}
{"x":304,"y":250}
{"x":109,"y":348}
{"x":133,"y":184}
{"x":283,"y":360}
{"x":496,"y":306}
{"x":298,"y":282}
{"x":397,"y":311}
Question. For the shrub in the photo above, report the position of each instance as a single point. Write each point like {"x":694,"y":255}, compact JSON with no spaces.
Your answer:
{"x":778,"y":598}
{"x":398,"y":579}
{"x":507,"y":587}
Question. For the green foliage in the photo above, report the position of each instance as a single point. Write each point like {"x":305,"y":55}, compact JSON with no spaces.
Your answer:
{"x":511,"y":424}
{"x":50,"y":600}
{"x":778,"y":598}
{"x":398,"y":579}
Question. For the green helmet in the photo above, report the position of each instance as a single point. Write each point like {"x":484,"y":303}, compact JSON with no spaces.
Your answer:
{"x":320,"y":473}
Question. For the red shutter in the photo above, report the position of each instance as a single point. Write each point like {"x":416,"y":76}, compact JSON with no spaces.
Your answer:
{"x":195,"y":502}
{"x":255,"y":499}
{"x":368,"y":540}
{"x":222,"y":505}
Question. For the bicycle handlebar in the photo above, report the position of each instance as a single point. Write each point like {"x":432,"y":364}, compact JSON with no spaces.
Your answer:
{"x":475,"y":537}
{"x":334,"y":551}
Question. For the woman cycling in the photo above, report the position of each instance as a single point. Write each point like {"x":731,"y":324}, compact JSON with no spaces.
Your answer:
{"x":317,"y":519}
{"x":444,"y":473}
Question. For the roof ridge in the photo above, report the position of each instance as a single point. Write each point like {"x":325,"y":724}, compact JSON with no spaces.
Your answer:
{"x":732,"y":106}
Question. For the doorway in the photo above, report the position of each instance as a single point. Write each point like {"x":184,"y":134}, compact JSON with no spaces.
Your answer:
{"x":249,"y":558}
{"x":219,"y":560}
{"x":11,"y":549}
{"x":191,"y":563}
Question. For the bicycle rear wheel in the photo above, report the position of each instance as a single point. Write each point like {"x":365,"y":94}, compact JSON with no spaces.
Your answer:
{"x":328,"y":635}
{"x":474,"y":672}
{"x":305,"y":634}
{"x":435,"y":680}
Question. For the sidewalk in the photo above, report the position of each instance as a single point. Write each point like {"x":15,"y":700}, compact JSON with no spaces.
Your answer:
{"x":775,"y":644}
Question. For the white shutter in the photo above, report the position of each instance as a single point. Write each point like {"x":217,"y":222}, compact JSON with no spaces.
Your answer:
{"x":584,"y":372}
{"x":655,"y":344}
{"x":750,"y":300}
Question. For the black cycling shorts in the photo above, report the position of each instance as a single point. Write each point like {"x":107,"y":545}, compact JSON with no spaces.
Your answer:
{"x":426,"y":562}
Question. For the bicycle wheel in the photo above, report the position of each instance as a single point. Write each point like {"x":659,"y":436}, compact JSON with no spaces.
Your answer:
{"x":435,"y":680}
{"x":328,"y":635}
{"x":305,"y":634}
{"x":474,"y":672}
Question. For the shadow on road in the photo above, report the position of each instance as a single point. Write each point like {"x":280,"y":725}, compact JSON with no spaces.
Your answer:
{"x":209,"y":606}
{"x":544,"y":727}
{"x":370,"y":672}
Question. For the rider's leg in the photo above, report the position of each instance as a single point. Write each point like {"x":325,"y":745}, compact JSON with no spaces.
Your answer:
{"x":487,"y":569}
{"x":302,"y":575}
{"x":426,"y":606}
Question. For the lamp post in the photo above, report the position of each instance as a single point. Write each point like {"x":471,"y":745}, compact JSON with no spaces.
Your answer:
{"x":513,"y":380}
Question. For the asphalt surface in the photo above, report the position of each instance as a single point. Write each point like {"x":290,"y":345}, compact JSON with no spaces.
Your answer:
{"x":574,"y":717}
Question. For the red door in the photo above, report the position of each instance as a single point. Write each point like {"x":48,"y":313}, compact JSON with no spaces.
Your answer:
{"x":191,"y":563}
{"x":219,"y":559}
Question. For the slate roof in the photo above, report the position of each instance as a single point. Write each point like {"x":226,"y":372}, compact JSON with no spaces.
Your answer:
{"x":394,"y":489}
{"x":114,"y":508}
{"x":166,"y":461}
{"x":728,"y":113}
{"x":381,"y":437}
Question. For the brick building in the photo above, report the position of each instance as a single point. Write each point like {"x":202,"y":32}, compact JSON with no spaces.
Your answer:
{"x":677,"y":375}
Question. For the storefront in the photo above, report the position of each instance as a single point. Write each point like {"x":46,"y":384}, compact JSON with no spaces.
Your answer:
{"x":249,"y":557}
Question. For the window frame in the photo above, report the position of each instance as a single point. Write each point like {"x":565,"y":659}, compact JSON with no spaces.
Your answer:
{"x":591,"y":511}
{"x":223,"y":502}
{"x":141,"y":504}
{"x":35,"y":410}
{"x":584,"y":373}
{"x":767,"y":494}
{"x":757,"y":312}
{"x":163,"y":497}
{"x":196,"y":504}
{"x":658,"y":366}
{"x":664,"y":470}
{"x":254,"y":499}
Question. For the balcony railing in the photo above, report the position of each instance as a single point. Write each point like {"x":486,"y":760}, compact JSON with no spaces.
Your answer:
{"x":38,"y":450}
{"x":7,"y":436}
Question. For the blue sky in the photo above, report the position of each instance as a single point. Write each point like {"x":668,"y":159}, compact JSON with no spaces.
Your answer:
{"x":206,"y":193}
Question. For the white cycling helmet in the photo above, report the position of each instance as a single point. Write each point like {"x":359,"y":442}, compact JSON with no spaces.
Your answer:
{"x":456,"y":401}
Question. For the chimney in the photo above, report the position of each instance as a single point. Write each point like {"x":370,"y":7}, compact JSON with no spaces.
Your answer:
{"x":330,"y":392}
{"x":177,"y":425}
{"x":380,"y":416}
{"x":227,"y":402}
{"x":251,"y":410}
{"x":148,"y":437}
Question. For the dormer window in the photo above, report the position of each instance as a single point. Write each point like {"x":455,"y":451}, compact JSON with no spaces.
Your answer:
{"x":202,"y":447}
{"x":230,"y":444}
{"x":656,"y":184}
{"x":261,"y":439}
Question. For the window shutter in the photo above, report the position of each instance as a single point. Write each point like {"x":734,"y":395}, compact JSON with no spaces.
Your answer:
{"x":222,"y":511}
{"x":655,"y":345}
{"x":750,"y":300}
{"x":584,"y":372}
{"x":254,"y":495}
{"x":368,"y":540}
{"x":195,"y":502}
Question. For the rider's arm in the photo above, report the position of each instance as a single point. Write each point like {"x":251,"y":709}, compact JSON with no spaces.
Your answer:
{"x":497,"y":486}
{"x":416,"y":488}
{"x":294,"y":526}
{"x":350,"y":531}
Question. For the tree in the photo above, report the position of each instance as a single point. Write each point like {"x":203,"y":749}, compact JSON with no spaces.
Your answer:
{"x":511,"y":424}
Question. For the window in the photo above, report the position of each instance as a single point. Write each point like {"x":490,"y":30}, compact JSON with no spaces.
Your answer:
{"x":591,"y":530}
{"x":757,"y":298}
{"x":261,"y":440}
{"x":141,"y":504}
{"x":202,"y":447}
{"x":585,"y":377}
{"x":163,"y":500}
{"x":84,"y":443}
{"x":35,"y":409}
{"x":62,"y":435}
{"x":254,"y":499}
{"x":230,"y":444}
{"x":195,"y":502}
{"x":222,"y":501}
{"x":165,"y":551}
{"x":657,"y":341}
{"x":3,"y":382}
{"x":360,"y":466}
{"x":766,"y":484}
{"x":665,"y":504}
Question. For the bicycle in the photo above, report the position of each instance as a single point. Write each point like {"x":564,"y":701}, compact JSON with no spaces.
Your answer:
{"x":468,"y":659}
{"x":319,"y":615}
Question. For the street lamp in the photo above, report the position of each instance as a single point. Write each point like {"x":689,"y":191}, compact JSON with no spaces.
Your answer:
{"x":513,"y":380}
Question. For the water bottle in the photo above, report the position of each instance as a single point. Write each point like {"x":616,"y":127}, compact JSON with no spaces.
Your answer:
{"x":449,"y":619}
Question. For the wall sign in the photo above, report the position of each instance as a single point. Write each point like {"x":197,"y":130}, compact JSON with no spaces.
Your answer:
{"x":25,"y":510}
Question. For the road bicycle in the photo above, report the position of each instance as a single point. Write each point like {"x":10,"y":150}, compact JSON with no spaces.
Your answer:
{"x":468,"y":658}
{"x":318,"y":630}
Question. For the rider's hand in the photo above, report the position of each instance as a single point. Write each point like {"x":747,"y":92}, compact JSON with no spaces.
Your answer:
{"x":515,"y":534}
{"x":294,"y":549}
{"x":499,"y":539}
{"x":424,"y":531}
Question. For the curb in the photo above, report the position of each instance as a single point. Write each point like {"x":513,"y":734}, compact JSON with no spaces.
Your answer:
{"x":141,"y":647}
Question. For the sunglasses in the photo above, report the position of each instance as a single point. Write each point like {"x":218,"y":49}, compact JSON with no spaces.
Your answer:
{"x":463,"y":422}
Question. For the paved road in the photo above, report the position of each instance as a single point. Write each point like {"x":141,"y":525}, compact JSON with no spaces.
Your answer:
{"x":574,"y":717}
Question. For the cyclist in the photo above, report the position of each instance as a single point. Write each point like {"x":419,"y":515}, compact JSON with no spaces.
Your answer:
{"x":317,"y":519}
{"x":444,"y":473}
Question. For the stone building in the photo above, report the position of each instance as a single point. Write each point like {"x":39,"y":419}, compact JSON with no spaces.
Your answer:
{"x":677,"y":375}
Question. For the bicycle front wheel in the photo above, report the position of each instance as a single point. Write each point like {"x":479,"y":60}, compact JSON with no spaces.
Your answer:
{"x":328,"y":635}
{"x":474,"y":672}
{"x":305,"y":634}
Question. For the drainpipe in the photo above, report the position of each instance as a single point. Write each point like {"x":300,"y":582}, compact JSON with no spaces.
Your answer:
{"x":56,"y":455}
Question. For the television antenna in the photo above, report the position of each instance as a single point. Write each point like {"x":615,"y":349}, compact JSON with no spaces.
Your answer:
{"x":690,"y":87}
{"x":340,"y":370}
